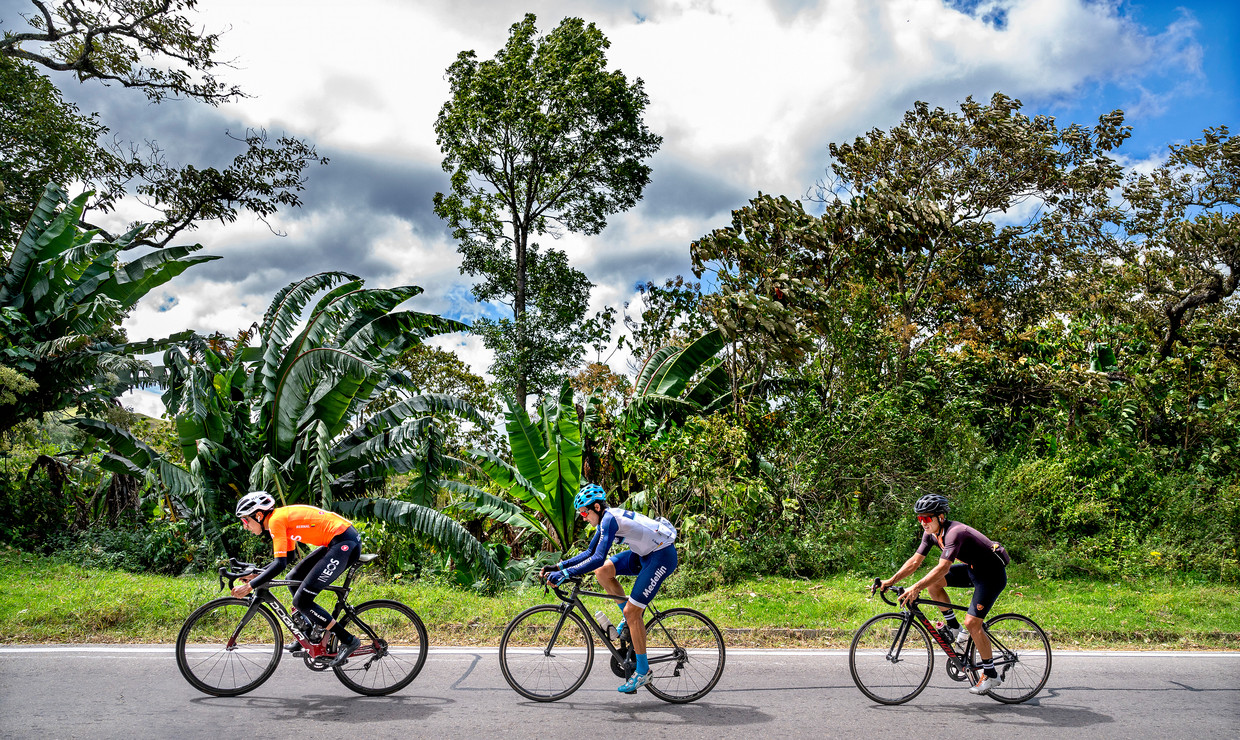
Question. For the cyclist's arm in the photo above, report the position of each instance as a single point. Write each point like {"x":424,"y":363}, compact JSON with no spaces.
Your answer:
{"x":910,"y":566}
{"x":581,"y":556}
{"x":595,"y":555}
{"x":273,"y":569}
{"x":937,"y":572}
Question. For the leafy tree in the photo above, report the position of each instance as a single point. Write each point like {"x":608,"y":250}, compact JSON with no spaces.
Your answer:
{"x":154,"y":46}
{"x":1183,"y":237}
{"x":969,"y":223}
{"x":671,"y":314}
{"x":542,"y":139}
{"x":43,"y":139}
{"x":63,"y":295}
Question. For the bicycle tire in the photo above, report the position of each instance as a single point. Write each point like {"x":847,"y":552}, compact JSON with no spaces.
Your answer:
{"x":528,"y":664}
{"x":210,"y":666}
{"x":881,"y":679}
{"x":393,"y":649}
{"x":686,"y":652}
{"x":1022,"y":655}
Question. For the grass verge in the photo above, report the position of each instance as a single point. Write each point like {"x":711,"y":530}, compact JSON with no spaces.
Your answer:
{"x":45,"y":600}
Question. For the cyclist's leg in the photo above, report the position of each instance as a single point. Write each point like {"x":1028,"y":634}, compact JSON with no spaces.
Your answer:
{"x":956,"y":577}
{"x":335,"y":560}
{"x":606,"y":575}
{"x":299,"y":571}
{"x":655,"y":568}
{"x":986,"y":590}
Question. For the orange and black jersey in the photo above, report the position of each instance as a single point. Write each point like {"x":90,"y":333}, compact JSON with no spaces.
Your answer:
{"x":308,"y":524}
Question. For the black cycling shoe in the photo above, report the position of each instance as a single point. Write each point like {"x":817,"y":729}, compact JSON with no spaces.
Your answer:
{"x":346,"y":650}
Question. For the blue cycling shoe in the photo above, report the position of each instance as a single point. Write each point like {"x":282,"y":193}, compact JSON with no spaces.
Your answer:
{"x":635,"y":682}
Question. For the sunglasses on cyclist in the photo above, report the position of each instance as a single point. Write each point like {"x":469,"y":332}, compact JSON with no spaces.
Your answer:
{"x":585,"y":513}
{"x":925,"y":519}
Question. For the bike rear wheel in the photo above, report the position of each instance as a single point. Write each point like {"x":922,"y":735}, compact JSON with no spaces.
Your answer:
{"x":533,"y":666}
{"x":685,"y":651}
{"x":393,"y":648}
{"x":891,"y":658}
{"x":211,"y":665}
{"x":1022,"y":656}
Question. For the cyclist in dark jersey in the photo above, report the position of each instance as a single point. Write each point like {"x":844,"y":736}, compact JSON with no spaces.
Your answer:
{"x":339,"y":546}
{"x":982,"y":567}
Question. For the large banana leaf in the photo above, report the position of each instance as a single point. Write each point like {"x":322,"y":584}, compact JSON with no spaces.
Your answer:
{"x":322,"y":364}
{"x":491,"y":506}
{"x":278,"y":324}
{"x":438,"y":527}
{"x":528,"y":445}
{"x":26,"y":252}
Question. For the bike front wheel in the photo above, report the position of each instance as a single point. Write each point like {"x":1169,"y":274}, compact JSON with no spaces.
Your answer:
{"x":393,"y":648}
{"x":891,"y":658}
{"x":685,"y":651}
{"x":546,"y":653}
{"x":220,"y":656}
{"x":1022,"y":656}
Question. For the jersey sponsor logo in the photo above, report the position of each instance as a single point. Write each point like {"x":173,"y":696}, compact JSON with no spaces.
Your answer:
{"x":329,"y":570}
{"x":654,"y":580}
{"x":344,"y":548}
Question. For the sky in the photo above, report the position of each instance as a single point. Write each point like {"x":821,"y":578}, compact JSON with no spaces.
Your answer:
{"x":747,"y":94}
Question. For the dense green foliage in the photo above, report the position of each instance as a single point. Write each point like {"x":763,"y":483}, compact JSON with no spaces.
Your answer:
{"x":979,"y":303}
{"x":63,"y":295}
{"x":540,"y":140}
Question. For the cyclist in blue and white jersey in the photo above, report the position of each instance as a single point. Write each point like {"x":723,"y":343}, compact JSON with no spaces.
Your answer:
{"x":651,"y":557}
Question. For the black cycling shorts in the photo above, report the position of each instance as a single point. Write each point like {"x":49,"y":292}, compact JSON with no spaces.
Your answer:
{"x":986,"y":586}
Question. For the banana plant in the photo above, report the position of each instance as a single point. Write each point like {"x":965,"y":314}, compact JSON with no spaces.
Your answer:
{"x":545,"y":472}
{"x":676,"y":383}
{"x":287,"y":414}
{"x":62,"y":296}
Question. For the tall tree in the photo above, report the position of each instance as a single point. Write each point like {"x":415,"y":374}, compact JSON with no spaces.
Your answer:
{"x":542,"y":139}
{"x":154,"y":46}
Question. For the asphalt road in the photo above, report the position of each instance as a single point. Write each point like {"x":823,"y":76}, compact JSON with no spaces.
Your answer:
{"x":106,"y":692}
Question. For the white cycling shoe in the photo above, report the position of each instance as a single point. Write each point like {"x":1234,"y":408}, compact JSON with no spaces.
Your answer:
{"x":986,"y":684}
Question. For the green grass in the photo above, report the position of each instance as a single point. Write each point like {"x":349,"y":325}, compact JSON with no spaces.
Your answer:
{"x":46,"y":600}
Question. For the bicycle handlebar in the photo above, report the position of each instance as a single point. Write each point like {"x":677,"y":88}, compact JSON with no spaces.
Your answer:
{"x":877,"y":587}
{"x":241,"y":569}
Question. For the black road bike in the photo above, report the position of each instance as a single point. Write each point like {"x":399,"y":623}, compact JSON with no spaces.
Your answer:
{"x":892,"y":655}
{"x":230,"y":646}
{"x":547,"y":651}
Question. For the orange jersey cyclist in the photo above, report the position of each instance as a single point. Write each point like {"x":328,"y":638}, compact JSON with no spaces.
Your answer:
{"x":651,"y":557}
{"x":982,"y":567}
{"x":338,"y":547}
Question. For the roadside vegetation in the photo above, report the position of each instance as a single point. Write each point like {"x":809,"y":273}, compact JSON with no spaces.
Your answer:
{"x":978,"y":302}
{"x":53,"y":601}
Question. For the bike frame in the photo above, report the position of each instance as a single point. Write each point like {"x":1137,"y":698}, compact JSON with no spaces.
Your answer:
{"x":314,"y":650}
{"x":573,"y":599}
{"x":913,"y":611}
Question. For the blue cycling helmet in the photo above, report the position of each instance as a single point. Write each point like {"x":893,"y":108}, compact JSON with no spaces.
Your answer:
{"x":589,"y":494}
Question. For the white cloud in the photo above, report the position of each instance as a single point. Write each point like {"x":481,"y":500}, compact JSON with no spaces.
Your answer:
{"x":746,"y":94}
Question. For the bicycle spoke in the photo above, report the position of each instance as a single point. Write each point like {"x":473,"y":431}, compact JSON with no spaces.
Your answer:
{"x":1022,"y":656}
{"x":874,"y":664}
{"x":222,"y":671}
{"x":393,"y":651}
{"x":686,"y":653}
{"x":535,"y":672}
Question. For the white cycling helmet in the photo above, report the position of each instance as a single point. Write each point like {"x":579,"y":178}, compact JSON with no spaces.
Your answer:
{"x":255,"y":501}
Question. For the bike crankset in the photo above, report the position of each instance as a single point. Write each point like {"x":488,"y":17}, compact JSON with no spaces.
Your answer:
{"x":954,"y":671}
{"x":623,"y":670}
